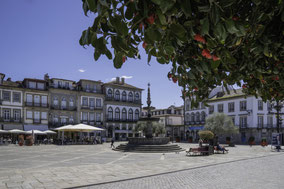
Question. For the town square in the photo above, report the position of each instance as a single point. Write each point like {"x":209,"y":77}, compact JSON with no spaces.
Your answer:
{"x":141,"y":94}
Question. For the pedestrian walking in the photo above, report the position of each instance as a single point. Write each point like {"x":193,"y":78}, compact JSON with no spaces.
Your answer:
{"x":278,"y":147}
{"x":112,"y":143}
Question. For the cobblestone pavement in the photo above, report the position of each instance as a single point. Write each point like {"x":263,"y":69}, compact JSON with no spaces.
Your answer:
{"x":53,"y":166}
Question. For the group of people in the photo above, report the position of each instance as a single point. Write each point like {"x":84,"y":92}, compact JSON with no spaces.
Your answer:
{"x":217,"y":146}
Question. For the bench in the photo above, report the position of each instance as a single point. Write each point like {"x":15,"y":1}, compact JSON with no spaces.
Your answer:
{"x":197,"y":151}
{"x":218,"y":151}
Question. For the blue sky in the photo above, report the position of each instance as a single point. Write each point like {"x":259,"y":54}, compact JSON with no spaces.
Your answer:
{"x":38,"y":37}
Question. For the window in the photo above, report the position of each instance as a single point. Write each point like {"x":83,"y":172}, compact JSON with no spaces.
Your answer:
{"x":32,"y":85}
{"x":269,"y":106}
{"x":36,"y":117}
{"x":269,"y":121}
{"x":192,"y":117}
{"x":71,"y":120}
{"x":40,"y":86}
{"x":202,"y":105}
{"x":7,"y":115}
{"x":92,"y":116}
{"x":29,"y":115}
{"x":92,"y":102}
{"x":84,"y":101}
{"x":198,"y":116}
{"x":95,"y":89}
{"x":117,"y":95}
{"x":130,"y":114}
{"x":55,"y":119}
{"x":117,"y":113}
{"x":55,"y":101}
{"x":87,"y":87}
{"x":130,"y":97}
{"x":137,"y":97}
{"x":187,"y":117}
{"x":109,"y":93}
{"x":211,"y":109}
{"x":66,"y":85}
{"x":98,"y":102}
{"x":16,"y":97}
{"x":187,"y":105}
{"x":243,"y":105}
{"x":260,"y":121}
{"x":220,"y":108}
{"x":6,"y":96}
{"x":243,"y":122}
{"x":233,"y":120}
{"x":63,"y":103}
{"x":231,"y":107}
{"x":124,"y":96}
{"x":17,"y":115}
{"x":71,"y":102}
{"x":29,"y":98}
{"x":98,"y":117}
{"x":44,"y":101}
{"x":203,"y":115}
{"x":84,"y":116}
{"x":63,"y":121}
{"x":44,"y":115}
{"x":124,"y":114}
{"x":36,"y":100}
{"x":136,"y":115}
{"x":260,"y":105}
{"x":59,"y":84}
{"x":110,"y":113}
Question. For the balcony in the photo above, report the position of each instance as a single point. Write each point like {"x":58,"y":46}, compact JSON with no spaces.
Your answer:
{"x":35,"y":104}
{"x":92,"y":122}
{"x":108,"y":98}
{"x":92,"y":107}
{"x":36,"y":121}
{"x":11,"y":120}
{"x":121,"y":120}
{"x":54,"y":107}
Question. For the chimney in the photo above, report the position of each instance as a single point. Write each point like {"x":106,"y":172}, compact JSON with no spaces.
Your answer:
{"x":122,"y":80}
{"x":117,"y":80}
{"x":46,"y":77}
{"x":9,"y":79}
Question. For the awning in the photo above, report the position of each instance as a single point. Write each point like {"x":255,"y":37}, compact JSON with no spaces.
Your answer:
{"x":10,"y":127}
{"x":196,"y":128}
{"x":36,"y":127}
{"x":36,"y":132}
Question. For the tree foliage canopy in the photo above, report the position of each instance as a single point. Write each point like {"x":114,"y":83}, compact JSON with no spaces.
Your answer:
{"x":220,"y":124}
{"x":206,"y":135}
{"x":207,"y":42}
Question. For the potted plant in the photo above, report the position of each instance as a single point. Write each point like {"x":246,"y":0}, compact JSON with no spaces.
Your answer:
{"x":263,"y":142}
{"x":190,"y":139}
{"x":251,"y":141}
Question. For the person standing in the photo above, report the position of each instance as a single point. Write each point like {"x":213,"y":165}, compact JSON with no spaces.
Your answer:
{"x":278,"y":147}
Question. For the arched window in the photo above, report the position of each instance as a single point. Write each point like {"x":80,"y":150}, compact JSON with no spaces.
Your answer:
{"x":192,"y":117}
{"x":124,"y":114}
{"x":187,"y":117}
{"x":109,"y":93}
{"x":136,"y":115}
{"x":130,"y":97}
{"x":55,"y":101}
{"x":124,"y":96}
{"x":197,"y":116}
{"x":137,"y":97}
{"x":130,"y":114}
{"x":187,"y":105}
{"x":109,"y":113}
{"x":117,"y":114}
{"x":63,"y":103}
{"x":117,"y":95}
{"x":71,"y":102}
{"x":203,"y":116}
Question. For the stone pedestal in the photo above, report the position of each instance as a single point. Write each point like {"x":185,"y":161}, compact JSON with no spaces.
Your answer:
{"x":149,"y":141}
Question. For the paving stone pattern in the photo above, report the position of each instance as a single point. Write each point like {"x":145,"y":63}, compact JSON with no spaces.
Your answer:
{"x":50,"y":166}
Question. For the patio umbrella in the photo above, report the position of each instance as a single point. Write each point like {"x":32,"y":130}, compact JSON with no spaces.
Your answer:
{"x":85,"y":128}
{"x":3,"y":131}
{"x":36,"y":132}
{"x":17,"y":131}
{"x":63,"y":128}
{"x":49,"y":132}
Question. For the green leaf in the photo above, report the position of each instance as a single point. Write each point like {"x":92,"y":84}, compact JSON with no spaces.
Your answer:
{"x":205,"y":26}
{"x":166,"y":5}
{"x":191,"y":75}
{"x":214,"y":14}
{"x":152,"y":35}
{"x":230,"y":25}
{"x":178,"y":30}
{"x":149,"y":58}
{"x":103,"y":3}
{"x":118,"y":60}
{"x":220,"y":32}
{"x":162,"y":17}
{"x":226,"y":3}
{"x":119,"y":25}
{"x":205,"y":8}
{"x":282,"y":16}
{"x":91,"y":4}
{"x":169,"y":49}
{"x":186,"y":7}
{"x":108,"y":54}
{"x":129,"y":12}
{"x":97,"y":54}
{"x":215,"y":64}
{"x":158,"y":2}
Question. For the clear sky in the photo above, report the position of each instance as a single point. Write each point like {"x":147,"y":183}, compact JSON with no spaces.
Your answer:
{"x":38,"y":37}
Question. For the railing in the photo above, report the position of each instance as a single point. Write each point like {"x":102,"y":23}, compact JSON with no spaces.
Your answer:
{"x":122,"y":100}
{"x":36,"y":104}
{"x":121,"y":120}
{"x":53,"y":107}
{"x":92,"y":107}
{"x":37,"y":121}
{"x":12,"y":120}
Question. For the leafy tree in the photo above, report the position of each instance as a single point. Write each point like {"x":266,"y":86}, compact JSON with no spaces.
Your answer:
{"x":220,"y":124}
{"x":156,"y":127}
{"x":207,"y":42}
{"x":206,"y":135}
